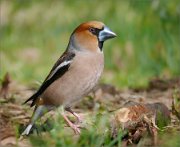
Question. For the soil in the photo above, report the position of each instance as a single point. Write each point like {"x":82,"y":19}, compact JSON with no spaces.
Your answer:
{"x":161,"y":94}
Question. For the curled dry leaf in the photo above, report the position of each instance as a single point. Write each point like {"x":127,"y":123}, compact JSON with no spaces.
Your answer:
{"x":138,"y":119}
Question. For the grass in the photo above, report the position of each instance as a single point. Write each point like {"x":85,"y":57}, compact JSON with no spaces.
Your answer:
{"x":96,"y":135}
{"x":35,"y":33}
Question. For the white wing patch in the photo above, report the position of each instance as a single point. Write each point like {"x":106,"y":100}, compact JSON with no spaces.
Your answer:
{"x":58,"y":67}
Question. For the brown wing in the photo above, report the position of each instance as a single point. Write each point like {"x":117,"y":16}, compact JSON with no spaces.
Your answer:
{"x":59,"y":69}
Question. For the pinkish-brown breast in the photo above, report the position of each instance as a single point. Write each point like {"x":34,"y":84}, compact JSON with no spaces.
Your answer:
{"x":78,"y":81}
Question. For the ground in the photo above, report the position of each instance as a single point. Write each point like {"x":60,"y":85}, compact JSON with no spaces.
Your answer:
{"x":104,"y":100}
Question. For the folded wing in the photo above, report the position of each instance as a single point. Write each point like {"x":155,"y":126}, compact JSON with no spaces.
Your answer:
{"x":58,"y":70}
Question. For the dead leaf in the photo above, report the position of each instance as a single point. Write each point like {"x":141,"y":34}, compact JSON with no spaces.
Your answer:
{"x":137,"y":119}
{"x":5,"y":86}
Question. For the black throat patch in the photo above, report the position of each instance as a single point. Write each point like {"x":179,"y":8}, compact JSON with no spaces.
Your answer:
{"x":100,"y":44}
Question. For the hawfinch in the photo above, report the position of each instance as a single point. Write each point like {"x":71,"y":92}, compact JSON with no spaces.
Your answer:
{"x":74,"y":74}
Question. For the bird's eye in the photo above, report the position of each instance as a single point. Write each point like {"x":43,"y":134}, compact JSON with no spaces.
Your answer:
{"x":92,"y":30}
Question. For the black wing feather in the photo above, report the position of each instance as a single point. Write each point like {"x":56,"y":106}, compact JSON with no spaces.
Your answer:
{"x":67,"y":56}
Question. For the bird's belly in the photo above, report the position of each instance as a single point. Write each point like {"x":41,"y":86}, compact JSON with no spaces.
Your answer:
{"x":72,"y":86}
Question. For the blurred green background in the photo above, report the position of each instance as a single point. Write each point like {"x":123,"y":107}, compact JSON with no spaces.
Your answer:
{"x":34,"y":33}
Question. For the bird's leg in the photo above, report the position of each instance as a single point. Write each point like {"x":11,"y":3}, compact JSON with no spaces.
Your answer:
{"x":79,"y":119}
{"x":69,"y":123}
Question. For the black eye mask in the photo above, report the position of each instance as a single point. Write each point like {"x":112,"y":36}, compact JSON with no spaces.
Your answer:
{"x":95,"y":31}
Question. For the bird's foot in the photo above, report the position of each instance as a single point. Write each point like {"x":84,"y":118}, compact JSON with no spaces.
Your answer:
{"x":76,"y":128}
{"x":79,"y":118}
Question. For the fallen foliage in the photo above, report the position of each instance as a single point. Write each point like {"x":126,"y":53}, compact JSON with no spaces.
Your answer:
{"x":138,"y":119}
{"x":5,"y":86}
{"x":140,"y":114}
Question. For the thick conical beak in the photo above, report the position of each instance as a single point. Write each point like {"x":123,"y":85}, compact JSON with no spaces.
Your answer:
{"x":105,"y":34}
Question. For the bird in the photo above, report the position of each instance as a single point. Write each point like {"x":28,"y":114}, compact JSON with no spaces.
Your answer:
{"x":74,"y":75}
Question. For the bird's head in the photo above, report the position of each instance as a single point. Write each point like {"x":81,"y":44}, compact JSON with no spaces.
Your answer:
{"x":90,"y":36}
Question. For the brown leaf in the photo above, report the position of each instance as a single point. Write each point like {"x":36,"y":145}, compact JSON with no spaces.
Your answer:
{"x":137,"y":119}
{"x":5,"y":86}
{"x":9,"y":141}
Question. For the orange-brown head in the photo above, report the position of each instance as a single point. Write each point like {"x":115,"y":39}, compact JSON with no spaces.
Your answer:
{"x":90,"y":36}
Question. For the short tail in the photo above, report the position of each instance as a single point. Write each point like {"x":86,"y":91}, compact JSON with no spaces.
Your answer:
{"x":39,"y":111}
{"x":27,"y":130}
